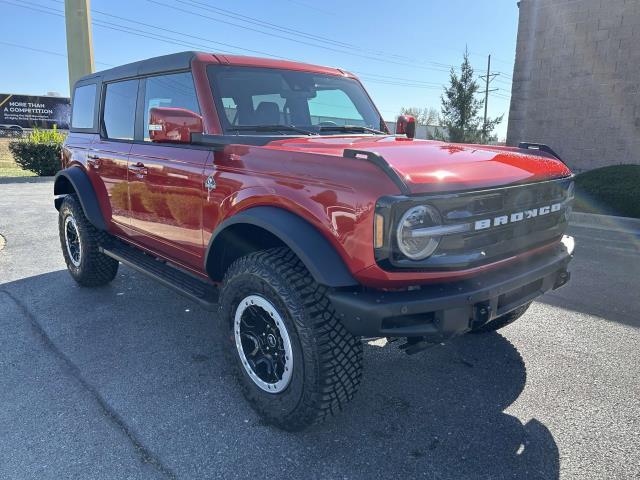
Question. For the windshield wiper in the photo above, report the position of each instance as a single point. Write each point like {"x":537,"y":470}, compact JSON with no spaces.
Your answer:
{"x":270,"y":128}
{"x":349,"y":128}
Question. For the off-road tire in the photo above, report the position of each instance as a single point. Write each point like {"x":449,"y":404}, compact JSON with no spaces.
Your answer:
{"x":95,"y":268}
{"x":502,"y":321}
{"x":327,"y":365}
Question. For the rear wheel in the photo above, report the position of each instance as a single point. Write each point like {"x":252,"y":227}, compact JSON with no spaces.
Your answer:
{"x":503,"y":320}
{"x":294,"y":360}
{"x":80,"y":242}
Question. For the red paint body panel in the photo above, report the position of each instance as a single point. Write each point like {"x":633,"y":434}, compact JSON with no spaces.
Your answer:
{"x":340,"y":207}
{"x":166,"y":203}
{"x":430,"y":166}
{"x":170,"y":213}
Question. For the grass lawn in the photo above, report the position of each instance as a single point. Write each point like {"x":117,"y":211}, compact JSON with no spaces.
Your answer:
{"x":613,"y":190}
{"x":14,"y":171}
{"x":7,"y":167}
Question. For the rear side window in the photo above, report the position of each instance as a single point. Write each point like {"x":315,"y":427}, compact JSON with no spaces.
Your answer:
{"x":84,"y":102}
{"x":119,"y":113}
{"x":175,"y":90}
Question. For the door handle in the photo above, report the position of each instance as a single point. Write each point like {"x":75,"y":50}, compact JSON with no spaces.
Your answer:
{"x":139,"y":170}
{"x":94,"y":161}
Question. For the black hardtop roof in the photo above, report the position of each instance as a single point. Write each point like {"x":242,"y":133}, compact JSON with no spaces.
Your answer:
{"x":164,"y":63}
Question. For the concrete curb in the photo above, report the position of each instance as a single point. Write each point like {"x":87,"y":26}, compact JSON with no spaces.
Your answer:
{"x":605,"y":222}
{"x":7,"y":180}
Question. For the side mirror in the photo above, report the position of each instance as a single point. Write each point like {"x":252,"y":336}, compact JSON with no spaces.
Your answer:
{"x":406,"y":124}
{"x":173,"y":125}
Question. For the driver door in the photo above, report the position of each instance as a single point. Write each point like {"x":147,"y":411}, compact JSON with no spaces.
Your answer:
{"x":166,"y":180}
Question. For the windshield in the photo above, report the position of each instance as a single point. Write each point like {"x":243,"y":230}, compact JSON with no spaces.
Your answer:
{"x":291,"y":102}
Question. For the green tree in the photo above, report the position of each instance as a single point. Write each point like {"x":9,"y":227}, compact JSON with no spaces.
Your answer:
{"x":39,"y":152}
{"x":423,"y":116}
{"x":461,"y":109}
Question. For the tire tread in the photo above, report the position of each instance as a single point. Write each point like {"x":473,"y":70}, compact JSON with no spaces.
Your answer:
{"x":98,"y":269}
{"x":339,"y":353}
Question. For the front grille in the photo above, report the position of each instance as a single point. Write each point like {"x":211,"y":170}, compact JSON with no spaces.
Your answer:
{"x":479,"y":247}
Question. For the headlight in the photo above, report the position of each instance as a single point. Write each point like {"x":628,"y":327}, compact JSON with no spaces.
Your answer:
{"x":417,"y":247}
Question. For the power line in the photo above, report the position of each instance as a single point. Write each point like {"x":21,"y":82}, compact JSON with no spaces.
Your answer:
{"x":436,"y":66}
{"x":40,"y":50}
{"x":136,"y":22}
{"x":153,"y":36}
{"x":369,"y":77}
{"x":296,"y":33}
{"x":436,"y":84}
{"x":298,"y":41}
{"x":487,"y":78}
{"x":212,"y":41}
{"x":265,"y":24}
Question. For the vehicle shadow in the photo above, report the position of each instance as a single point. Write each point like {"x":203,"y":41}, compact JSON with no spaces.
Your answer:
{"x":155,"y":360}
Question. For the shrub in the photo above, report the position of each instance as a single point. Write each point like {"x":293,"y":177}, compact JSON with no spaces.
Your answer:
{"x":39,"y":152}
{"x":613,"y":190}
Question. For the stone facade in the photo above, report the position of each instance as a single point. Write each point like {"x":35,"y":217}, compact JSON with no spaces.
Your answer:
{"x":576,"y":80}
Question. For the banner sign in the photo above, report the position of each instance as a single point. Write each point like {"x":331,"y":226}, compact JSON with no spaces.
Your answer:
{"x":29,"y":112}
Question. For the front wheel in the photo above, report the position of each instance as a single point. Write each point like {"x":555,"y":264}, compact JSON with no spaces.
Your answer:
{"x":294,"y":360}
{"x":80,"y":242}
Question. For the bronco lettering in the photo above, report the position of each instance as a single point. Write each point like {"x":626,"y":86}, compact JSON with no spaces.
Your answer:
{"x":516,"y":216}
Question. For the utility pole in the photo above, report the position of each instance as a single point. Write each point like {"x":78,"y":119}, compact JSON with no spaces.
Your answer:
{"x":488,"y":77}
{"x":79,"y":40}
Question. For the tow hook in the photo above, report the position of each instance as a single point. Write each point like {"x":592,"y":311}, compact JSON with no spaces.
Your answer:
{"x":481,"y":314}
{"x":562,"y":278}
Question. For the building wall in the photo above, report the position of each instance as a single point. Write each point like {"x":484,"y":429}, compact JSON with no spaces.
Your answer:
{"x":576,"y":80}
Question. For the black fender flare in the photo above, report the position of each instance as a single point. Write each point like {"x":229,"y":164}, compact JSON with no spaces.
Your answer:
{"x":314,"y":250}
{"x":80,"y":182}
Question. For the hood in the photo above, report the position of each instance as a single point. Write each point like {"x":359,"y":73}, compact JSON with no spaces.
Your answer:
{"x":430,"y":166}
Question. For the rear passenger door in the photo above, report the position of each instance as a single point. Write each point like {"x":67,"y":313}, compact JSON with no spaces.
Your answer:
{"x":110,"y":153}
{"x":166,"y":180}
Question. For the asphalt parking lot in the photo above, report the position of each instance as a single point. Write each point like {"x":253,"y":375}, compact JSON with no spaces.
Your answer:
{"x":127,"y":381}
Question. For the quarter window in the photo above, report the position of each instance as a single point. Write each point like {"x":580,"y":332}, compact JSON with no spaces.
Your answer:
{"x":84,"y":101}
{"x":175,"y":90}
{"x":120,"y":110}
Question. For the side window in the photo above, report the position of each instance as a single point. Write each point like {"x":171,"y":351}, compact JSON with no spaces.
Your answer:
{"x":84,"y":102}
{"x":119,"y":114}
{"x":175,"y":90}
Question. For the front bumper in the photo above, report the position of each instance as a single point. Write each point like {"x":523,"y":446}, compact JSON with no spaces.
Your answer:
{"x":441,"y":311}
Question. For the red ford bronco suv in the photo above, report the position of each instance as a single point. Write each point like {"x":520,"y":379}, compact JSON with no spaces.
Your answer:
{"x":273,"y":193}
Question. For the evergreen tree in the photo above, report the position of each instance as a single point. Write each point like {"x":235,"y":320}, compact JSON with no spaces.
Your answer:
{"x":461,"y":109}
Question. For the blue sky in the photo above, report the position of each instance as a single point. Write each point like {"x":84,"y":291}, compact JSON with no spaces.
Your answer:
{"x":400,"y":50}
